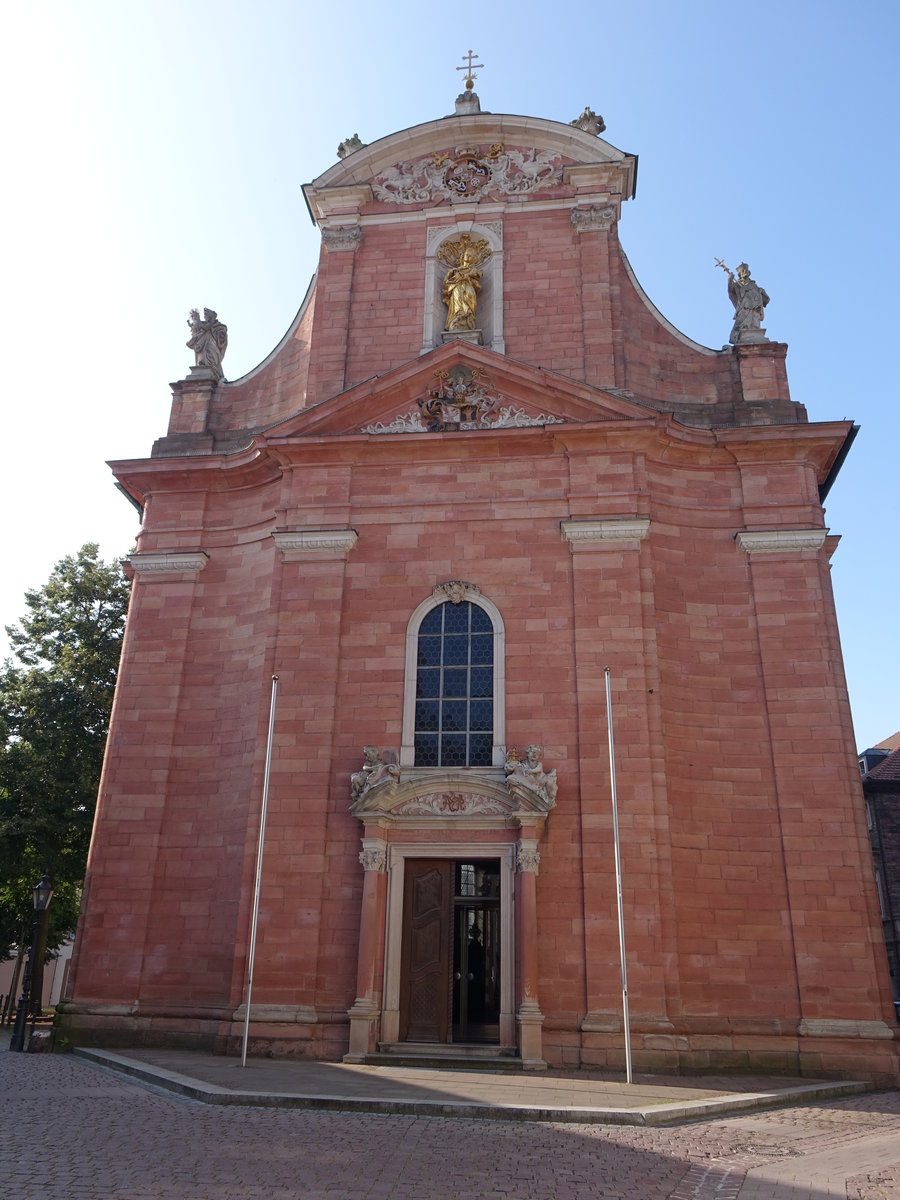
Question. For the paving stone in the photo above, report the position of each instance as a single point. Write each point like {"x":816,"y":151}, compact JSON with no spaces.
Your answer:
{"x":75,"y":1131}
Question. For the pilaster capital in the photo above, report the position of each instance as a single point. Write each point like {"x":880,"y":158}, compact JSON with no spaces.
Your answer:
{"x":770,"y":541}
{"x":528,"y":860}
{"x":593,"y":218}
{"x":373,"y":856}
{"x":165,"y":562}
{"x":341,"y":237}
{"x":294,"y":544}
{"x":606,"y":532}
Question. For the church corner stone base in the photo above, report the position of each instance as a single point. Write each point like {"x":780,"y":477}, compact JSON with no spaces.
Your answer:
{"x":481,"y":488}
{"x":871,"y":1054}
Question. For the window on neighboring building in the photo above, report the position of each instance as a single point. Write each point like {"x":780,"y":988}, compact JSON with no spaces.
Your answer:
{"x":454,"y":715}
{"x":880,"y":888}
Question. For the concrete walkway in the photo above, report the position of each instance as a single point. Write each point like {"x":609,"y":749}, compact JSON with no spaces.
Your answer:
{"x":577,"y":1097}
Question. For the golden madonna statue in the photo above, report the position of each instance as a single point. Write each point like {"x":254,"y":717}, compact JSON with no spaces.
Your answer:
{"x":462,"y":283}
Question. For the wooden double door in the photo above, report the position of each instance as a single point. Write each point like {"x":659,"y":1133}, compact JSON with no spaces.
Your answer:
{"x":450,"y":966}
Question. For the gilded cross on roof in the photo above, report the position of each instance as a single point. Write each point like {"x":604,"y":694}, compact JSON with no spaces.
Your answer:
{"x":470,"y":75}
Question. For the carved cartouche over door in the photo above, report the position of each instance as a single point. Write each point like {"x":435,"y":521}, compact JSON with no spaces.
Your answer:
{"x":428,"y":819}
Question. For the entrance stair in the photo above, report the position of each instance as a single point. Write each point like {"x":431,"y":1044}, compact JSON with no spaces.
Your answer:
{"x":454,"y":1056}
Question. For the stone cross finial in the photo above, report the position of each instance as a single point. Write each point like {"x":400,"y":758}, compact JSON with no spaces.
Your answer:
{"x":470,"y":75}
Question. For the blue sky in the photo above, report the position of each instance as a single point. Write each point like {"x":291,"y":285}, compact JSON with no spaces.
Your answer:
{"x":156,"y":153}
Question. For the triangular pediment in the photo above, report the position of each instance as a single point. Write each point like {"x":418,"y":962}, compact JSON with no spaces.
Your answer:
{"x":459,"y":388}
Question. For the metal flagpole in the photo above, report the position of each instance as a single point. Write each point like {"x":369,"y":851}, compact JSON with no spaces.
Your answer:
{"x":612,"y":777}
{"x":259,"y":860}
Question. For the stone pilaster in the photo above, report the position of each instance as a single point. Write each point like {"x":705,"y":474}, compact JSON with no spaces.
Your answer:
{"x":331,"y":320}
{"x":366,"y":1010}
{"x":614,"y":622}
{"x":528,"y":1016}
{"x":835,"y":921}
{"x":594,"y":225}
{"x":110,"y":957}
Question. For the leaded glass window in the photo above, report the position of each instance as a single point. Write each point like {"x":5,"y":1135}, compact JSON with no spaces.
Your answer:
{"x":454,"y":719}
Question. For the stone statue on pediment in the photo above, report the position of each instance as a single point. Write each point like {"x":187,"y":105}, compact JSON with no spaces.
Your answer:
{"x":527,"y":779}
{"x":209,"y":341}
{"x":749,"y":301}
{"x":373,"y":772}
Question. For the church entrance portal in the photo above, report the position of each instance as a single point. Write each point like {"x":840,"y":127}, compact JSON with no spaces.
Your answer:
{"x":450,"y":966}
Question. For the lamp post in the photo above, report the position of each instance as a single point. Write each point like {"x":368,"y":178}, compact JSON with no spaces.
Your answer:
{"x":43,"y":893}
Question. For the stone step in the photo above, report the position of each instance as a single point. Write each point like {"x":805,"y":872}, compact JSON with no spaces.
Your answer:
{"x":456,"y":1056}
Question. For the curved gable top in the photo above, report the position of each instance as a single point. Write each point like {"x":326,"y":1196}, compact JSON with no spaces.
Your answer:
{"x":568,"y":141}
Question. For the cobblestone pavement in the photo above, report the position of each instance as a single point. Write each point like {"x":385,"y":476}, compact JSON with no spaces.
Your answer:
{"x":72,"y":1131}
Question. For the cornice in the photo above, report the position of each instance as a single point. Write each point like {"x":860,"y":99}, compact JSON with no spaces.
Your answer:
{"x":249,"y":467}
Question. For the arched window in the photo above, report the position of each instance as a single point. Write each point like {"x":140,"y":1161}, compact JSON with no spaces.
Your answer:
{"x":453,"y":711}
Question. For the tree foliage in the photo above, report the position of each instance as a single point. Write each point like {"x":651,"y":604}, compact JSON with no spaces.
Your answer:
{"x":55,"y":699}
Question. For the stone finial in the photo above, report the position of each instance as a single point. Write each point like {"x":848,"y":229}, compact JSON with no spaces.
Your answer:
{"x":749,"y":301}
{"x":526,"y":778}
{"x":209,"y":341}
{"x":349,"y":145}
{"x":590,"y":122}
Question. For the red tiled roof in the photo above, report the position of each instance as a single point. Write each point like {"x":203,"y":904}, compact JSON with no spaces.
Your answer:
{"x":887,"y":770}
{"x":889,"y":743}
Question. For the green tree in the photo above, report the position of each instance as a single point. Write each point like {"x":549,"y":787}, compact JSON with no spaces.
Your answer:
{"x":55,"y":700}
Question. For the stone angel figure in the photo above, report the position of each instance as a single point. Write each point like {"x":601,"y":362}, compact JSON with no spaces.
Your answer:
{"x":526,"y":778}
{"x":373,"y":771}
{"x":209,"y":341}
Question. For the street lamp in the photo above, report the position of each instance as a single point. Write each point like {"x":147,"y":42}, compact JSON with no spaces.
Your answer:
{"x":43,"y":894}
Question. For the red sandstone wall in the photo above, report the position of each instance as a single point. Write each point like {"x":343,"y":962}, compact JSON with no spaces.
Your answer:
{"x":277,"y":389}
{"x":740,"y":844}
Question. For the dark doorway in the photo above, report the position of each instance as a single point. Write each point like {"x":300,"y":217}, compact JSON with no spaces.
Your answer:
{"x":476,"y":951}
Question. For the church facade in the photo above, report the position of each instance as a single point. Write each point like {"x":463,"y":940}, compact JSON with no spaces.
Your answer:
{"x":480,"y":476}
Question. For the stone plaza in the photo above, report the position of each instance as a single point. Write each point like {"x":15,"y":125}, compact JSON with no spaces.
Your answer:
{"x":99,"y":1135}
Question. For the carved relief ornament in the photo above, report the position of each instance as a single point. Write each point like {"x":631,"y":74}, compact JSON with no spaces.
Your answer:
{"x":374,"y":858}
{"x":593,"y":218}
{"x":468,"y":172}
{"x":508,"y":417}
{"x":455,"y":590}
{"x":461,"y":399}
{"x":527,"y":861}
{"x":342,"y":237}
